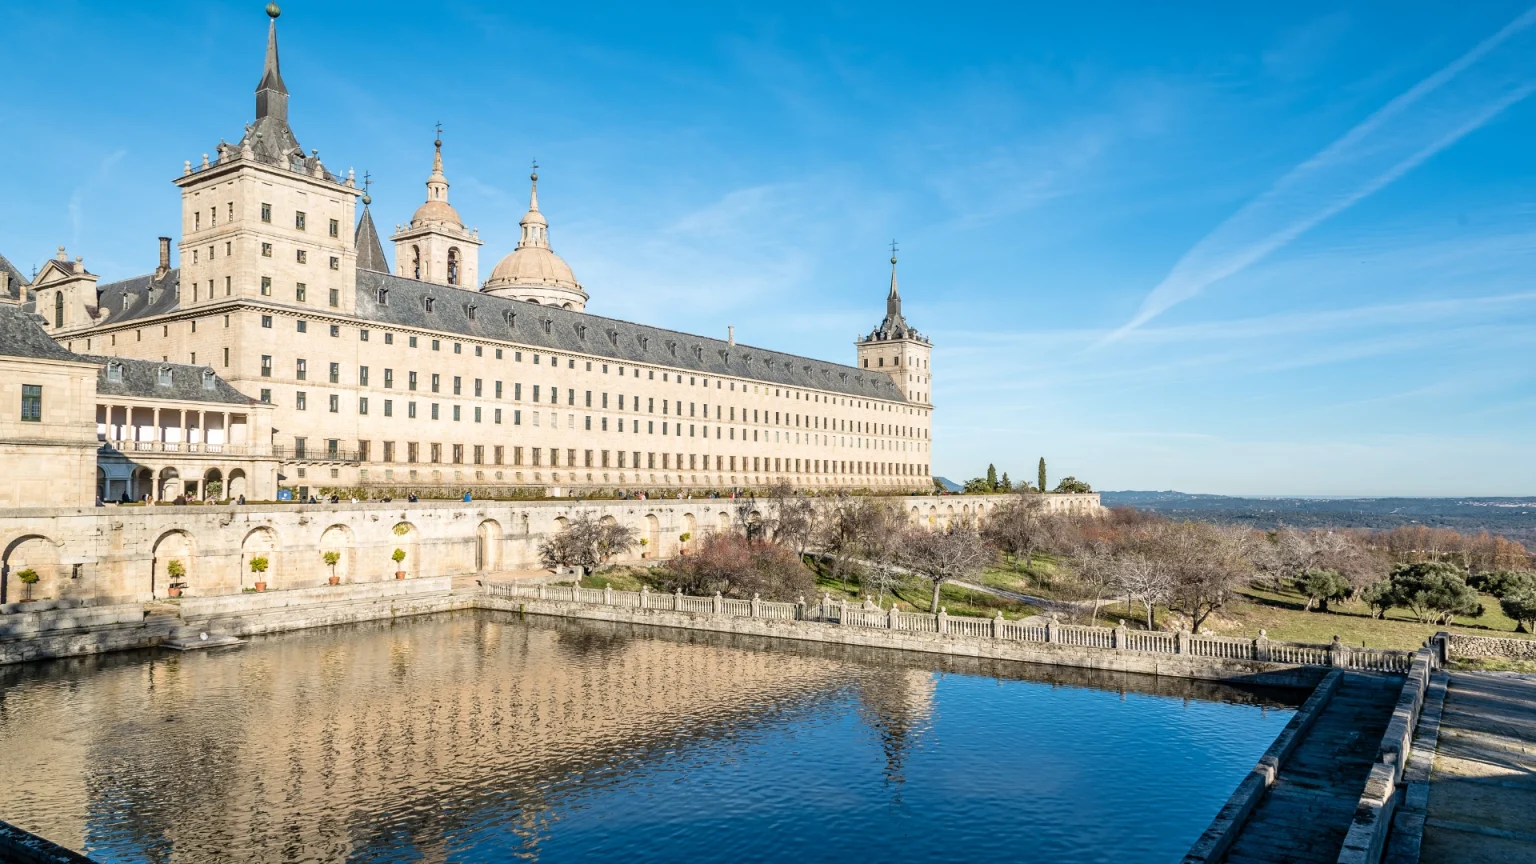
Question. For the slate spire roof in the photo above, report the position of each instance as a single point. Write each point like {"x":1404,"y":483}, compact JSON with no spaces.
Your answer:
{"x":370,"y":250}
{"x":894,"y":326}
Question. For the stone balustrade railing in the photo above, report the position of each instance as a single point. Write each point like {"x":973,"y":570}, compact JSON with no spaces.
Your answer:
{"x":840,"y":612}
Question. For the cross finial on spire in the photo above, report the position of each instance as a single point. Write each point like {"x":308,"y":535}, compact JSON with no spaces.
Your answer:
{"x":367,"y":182}
{"x":439,"y":128}
{"x":535,"y":170}
{"x":893,"y":250}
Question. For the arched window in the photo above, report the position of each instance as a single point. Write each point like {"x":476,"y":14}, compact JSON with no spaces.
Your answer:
{"x":453,"y":266}
{"x":416,"y":262}
{"x":58,"y":308}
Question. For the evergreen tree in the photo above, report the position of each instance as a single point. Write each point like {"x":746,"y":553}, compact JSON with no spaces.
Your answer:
{"x":1042,"y":474}
{"x":991,"y":477}
{"x":1007,"y":485}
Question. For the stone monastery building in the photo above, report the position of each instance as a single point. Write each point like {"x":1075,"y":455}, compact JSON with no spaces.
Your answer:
{"x":433,"y":374}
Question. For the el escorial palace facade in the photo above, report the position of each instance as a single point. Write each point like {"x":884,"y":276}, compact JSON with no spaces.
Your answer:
{"x":284,"y":352}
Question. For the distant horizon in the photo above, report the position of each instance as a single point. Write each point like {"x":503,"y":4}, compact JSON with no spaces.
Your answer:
{"x":1286,"y":496}
{"x":1247,"y":246}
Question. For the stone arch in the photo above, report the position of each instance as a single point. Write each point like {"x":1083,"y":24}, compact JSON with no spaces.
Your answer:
{"x":237,"y":484}
{"x":949,"y":517}
{"x":933,"y":516}
{"x":101,"y":485}
{"x":260,"y":542}
{"x":561,"y":524}
{"x":407,"y":538}
{"x":453,"y":265}
{"x":339,"y":539}
{"x":652,"y":537}
{"x":724,"y":520}
{"x":30,"y":552}
{"x":691,"y":529}
{"x":488,"y":547}
{"x":169,"y":484}
{"x":171,"y":546}
{"x":213,"y":484}
{"x":143,"y":483}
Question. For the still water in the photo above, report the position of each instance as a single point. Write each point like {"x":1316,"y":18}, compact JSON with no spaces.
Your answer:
{"x":483,"y":737}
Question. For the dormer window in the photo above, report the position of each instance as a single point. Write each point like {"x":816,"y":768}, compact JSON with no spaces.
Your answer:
{"x":428,"y":303}
{"x":470,"y":311}
{"x":208,"y":379}
{"x":115,"y":373}
{"x":383,"y":296}
{"x":549,"y":325}
{"x":164,"y":376}
{"x":511,"y":318}
{"x":581,"y":331}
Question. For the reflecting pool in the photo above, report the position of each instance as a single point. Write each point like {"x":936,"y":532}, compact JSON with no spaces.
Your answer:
{"x":485,"y":737}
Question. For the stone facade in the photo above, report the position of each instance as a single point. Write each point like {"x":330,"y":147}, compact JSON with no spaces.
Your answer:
{"x":429,"y":381}
{"x":121,"y":554}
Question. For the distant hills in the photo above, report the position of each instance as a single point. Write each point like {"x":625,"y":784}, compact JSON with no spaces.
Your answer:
{"x":1512,"y":517}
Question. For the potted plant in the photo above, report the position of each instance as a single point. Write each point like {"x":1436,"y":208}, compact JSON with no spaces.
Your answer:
{"x":28,"y":578}
{"x":175,"y":569}
{"x":258,"y":567}
{"x":398,"y":557}
{"x":330,"y":559}
{"x":682,"y":540}
{"x":644,"y":543}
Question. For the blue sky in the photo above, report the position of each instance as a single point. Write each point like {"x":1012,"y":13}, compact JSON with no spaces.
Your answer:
{"x":1249,"y":249}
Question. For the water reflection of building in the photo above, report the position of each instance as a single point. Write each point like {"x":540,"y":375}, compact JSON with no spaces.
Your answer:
{"x":403,"y":738}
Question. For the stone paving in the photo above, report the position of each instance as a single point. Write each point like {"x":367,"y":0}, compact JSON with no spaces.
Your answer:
{"x":1482,"y":790}
{"x":1307,"y":812}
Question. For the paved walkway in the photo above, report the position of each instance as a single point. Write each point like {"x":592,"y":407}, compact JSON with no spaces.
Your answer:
{"x":1305,"y":815}
{"x":1482,"y":790}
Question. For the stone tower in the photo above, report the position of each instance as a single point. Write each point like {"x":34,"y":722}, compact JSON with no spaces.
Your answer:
{"x":436,"y":247}
{"x":263,"y":221}
{"x":898,"y":350}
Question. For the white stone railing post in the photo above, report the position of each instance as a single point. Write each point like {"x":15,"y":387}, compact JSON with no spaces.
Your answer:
{"x":1261,"y":646}
{"x":1117,"y":637}
{"x":677,"y":601}
{"x":892,"y":621}
{"x":997,"y":625}
{"x":842,"y":614}
{"x":719,"y":605}
{"x":757,"y":606}
{"x":645,"y":596}
{"x":541,"y":591}
{"x":607,"y":595}
{"x":1051,"y":633}
{"x":800,"y":608}
{"x":1181,"y":642}
{"x":943,"y":620}
{"x":826,"y":605}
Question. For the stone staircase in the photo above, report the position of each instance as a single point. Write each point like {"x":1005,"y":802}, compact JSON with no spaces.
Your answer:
{"x":1306,"y":813}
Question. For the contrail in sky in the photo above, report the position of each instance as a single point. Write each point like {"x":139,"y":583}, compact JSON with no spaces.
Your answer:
{"x":1431,"y":116}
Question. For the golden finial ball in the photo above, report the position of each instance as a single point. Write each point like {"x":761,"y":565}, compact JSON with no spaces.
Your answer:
{"x":367,"y":200}
{"x":273,"y":11}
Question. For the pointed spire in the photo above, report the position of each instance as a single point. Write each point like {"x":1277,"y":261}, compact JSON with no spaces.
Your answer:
{"x":437,"y":184}
{"x":370,"y":250}
{"x":893,"y":299}
{"x":271,"y":93}
{"x":535,"y":228}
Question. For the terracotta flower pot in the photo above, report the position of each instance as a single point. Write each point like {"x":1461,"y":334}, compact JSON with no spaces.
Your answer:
{"x":173,"y":592}
{"x":335,"y":580}
{"x":261,"y":586}
{"x":399,"y":574}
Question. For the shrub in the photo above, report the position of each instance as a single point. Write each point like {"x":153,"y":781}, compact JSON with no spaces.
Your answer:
{"x":28,"y":576}
{"x":397,"y":556}
{"x":1433,"y":591}
{"x":727,"y":563}
{"x":175,"y":569}
{"x":1501,"y":582}
{"x":259,"y":564}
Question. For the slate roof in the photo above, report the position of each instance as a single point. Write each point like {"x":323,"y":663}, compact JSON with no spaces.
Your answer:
{"x":22,"y":335}
{"x":16,"y":283}
{"x":127,"y":300}
{"x":370,"y":250}
{"x":141,"y":380}
{"x":585,"y":333}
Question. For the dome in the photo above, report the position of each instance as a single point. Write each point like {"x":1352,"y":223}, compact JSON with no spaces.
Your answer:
{"x":533,"y":266}
{"x":436,"y":211}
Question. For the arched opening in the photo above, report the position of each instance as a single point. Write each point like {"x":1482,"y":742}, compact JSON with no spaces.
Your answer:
{"x":405,"y":555}
{"x":259,"y":543}
{"x":689,"y":538}
{"x":213,"y":484}
{"x":101,"y":485}
{"x":337,"y":539}
{"x":173,"y":546}
{"x":723,"y":522}
{"x":143,"y":484}
{"x":488,"y":547}
{"x":30,"y":552}
{"x":652,"y":537}
{"x":236,"y":484}
{"x":453,"y":266}
{"x":170,"y":484}
{"x":416,"y":262}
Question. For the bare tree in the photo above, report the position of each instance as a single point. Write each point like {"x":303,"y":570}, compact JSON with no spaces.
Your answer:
{"x":1143,"y":581}
{"x":1094,"y":567}
{"x":843,"y":533}
{"x":587,"y":543}
{"x":883,"y":529}
{"x":942,"y":556}
{"x":1020,"y":527}
{"x":1206,"y":564}
{"x":792,"y":517}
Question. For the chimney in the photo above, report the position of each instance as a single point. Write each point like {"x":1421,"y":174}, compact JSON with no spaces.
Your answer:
{"x":165,"y":258}
{"x":730,"y":334}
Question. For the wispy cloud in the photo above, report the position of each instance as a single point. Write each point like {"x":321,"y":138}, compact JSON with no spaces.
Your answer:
{"x":1429,"y":117}
{"x":77,"y":197}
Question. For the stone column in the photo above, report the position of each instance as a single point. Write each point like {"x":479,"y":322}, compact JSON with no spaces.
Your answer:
{"x":892,"y":618}
{"x":608,"y":595}
{"x":1181,"y":642}
{"x":719,"y":604}
{"x":842,"y":616}
{"x":1117,"y":637}
{"x":997,"y":626}
{"x":757,"y":606}
{"x":645,"y":596}
{"x":1338,"y":654}
{"x":1050,"y":631}
{"x":541,"y":591}
{"x":943,"y":620}
{"x":677,"y":601}
{"x":1261,"y":646}
{"x":154,"y":433}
